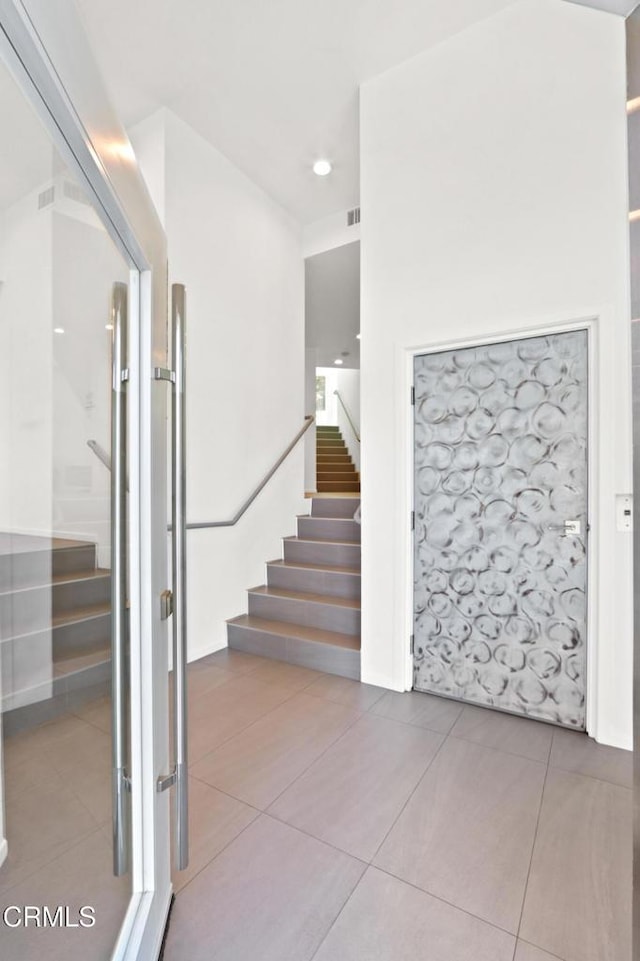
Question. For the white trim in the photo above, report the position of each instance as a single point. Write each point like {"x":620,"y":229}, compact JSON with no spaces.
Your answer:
{"x":4,"y":850}
{"x":591,"y":324}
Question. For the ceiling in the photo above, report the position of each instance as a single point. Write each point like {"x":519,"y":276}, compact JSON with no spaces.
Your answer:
{"x":273,"y":85}
{"x":332,"y":305}
{"x":622,"y":7}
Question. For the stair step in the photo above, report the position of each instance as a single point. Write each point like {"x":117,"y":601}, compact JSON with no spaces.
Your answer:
{"x":328,"y":651}
{"x":81,"y":632}
{"x":309,"y":551}
{"x":328,"y":442}
{"x":30,"y":561}
{"x":340,"y":487}
{"x":328,"y":529}
{"x":347,"y":477}
{"x":324,"y":580}
{"x":334,"y":458}
{"x":328,"y":428}
{"x":305,"y":609}
{"x":30,"y":609}
{"x":335,"y":467}
{"x":334,"y":506}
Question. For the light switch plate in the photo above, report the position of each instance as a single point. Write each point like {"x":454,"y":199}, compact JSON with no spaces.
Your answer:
{"x":624,"y":512}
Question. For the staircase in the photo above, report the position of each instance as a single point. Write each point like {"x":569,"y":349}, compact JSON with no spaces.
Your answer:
{"x":308,"y":613}
{"x":335,"y":471}
{"x":55,"y":622}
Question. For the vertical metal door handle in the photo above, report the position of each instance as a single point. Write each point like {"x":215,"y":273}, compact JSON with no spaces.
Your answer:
{"x":119,"y":619}
{"x":179,"y":523}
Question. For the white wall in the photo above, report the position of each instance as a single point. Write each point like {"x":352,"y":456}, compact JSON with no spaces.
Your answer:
{"x":347,"y":383}
{"x":494,"y":186}
{"x":328,"y":233}
{"x":239,"y":255}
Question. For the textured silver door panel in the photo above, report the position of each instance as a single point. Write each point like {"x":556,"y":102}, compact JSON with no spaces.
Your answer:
{"x":500,"y":468}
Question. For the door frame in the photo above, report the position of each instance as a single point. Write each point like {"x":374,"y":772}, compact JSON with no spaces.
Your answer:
{"x":45,"y":48}
{"x":590,"y":324}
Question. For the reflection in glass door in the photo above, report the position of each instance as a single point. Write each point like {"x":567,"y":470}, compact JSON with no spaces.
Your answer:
{"x":58,"y":268}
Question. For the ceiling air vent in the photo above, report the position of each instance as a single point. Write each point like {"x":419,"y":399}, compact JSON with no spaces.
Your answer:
{"x":353,"y":217}
{"x":46,"y":198}
{"x":73,"y":192}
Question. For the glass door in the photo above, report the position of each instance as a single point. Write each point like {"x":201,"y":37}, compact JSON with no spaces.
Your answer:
{"x":84,"y":829}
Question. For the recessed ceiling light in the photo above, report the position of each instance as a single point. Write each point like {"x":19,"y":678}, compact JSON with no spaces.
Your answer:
{"x":58,"y":330}
{"x":338,"y":361}
{"x":108,"y":326}
{"x":634,"y":215}
{"x":322,"y":168}
{"x":357,"y":336}
{"x":633,"y":105}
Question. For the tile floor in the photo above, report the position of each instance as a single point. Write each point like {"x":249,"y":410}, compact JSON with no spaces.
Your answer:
{"x":338,"y":822}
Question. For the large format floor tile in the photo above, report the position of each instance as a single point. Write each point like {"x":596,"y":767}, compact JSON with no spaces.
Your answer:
{"x":214,"y":820}
{"x":578,"y":903}
{"x":228,"y":709}
{"x":351,"y":796}
{"x":235,"y":661}
{"x":388,"y":920}
{"x":342,"y":690}
{"x":288,"y":675}
{"x":81,"y":876}
{"x":467,"y":833}
{"x":515,"y":735}
{"x":271,"y":895}
{"x":528,"y":952}
{"x":41,"y":823}
{"x":424,"y":710}
{"x":582,"y":755}
{"x":260,"y":762}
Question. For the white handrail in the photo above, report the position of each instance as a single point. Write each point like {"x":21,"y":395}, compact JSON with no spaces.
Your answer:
{"x":308,"y":421}
{"x":349,"y":418}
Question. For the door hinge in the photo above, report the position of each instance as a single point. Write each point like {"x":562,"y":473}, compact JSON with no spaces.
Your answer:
{"x":413,"y":520}
{"x":412,"y":642}
{"x":413,"y":396}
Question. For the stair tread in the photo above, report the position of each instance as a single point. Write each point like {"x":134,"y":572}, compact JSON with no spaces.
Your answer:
{"x":283,"y":628}
{"x":81,"y":614}
{"x":312,"y":598}
{"x":33,"y":543}
{"x":73,"y":578}
{"x":315,"y":517}
{"x":321,"y":540}
{"x":66,"y":619}
{"x":322,"y":568}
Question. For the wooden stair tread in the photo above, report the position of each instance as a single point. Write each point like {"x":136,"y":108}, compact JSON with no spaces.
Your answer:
{"x":303,"y":596}
{"x":284,"y":629}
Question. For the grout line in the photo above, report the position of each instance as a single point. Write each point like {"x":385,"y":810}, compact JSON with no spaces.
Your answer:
{"x":218,"y":853}
{"x":312,"y":837}
{"x":533,"y":846}
{"x":333,"y":743}
{"x":555,"y":957}
{"x":451,"y":904}
{"x":255,"y":720}
{"x":498,"y":750}
{"x":39,"y":867}
{"x":338,"y":915}
{"x":445,"y":738}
